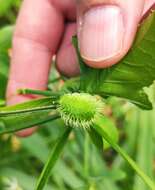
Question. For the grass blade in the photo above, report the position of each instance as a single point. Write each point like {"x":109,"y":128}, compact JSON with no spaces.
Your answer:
{"x":38,"y":103}
{"x":7,"y":113}
{"x":132,"y":163}
{"x":145,"y":155}
{"x":27,"y":114}
{"x":55,"y":154}
{"x":14,"y":123}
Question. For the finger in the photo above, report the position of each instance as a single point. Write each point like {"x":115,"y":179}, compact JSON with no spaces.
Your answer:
{"x":26,"y":132}
{"x":67,"y":7}
{"x":37,"y":36}
{"x":67,"y":63}
{"x":42,"y":32}
{"x":148,"y":5}
{"x":35,"y":40}
{"x":106,"y":29}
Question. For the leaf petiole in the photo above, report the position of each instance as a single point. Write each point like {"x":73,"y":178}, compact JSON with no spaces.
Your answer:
{"x":39,"y":92}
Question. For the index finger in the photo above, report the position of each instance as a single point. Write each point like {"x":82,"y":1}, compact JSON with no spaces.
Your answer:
{"x":38,"y":32}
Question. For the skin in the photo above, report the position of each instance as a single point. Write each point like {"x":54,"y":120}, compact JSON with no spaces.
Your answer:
{"x":45,"y":27}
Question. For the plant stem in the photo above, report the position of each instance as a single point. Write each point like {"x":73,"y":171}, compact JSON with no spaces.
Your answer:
{"x":53,"y":157}
{"x":131,"y":162}
{"x":86,"y":155}
{"x":7,"y":113}
{"x":38,"y":92}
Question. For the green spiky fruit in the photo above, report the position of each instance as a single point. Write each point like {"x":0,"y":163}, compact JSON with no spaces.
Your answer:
{"x":79,"y":109}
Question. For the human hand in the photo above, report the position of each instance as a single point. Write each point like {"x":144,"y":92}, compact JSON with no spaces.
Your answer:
{"x":106,"y":30}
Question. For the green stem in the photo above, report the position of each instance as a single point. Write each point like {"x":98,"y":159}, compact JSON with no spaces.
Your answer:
{"x":86,"y":155}
{"x":53,"y":157}
{"x":7,"y":113}
{"x":38,"y":92}
{"x":131,"y":162}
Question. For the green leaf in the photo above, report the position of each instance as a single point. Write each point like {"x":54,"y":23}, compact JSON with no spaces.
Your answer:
{"x":5,"y":44}
{"x":5,"y":5}
{"x":145,"y":155}
{"x":3,"y":83}
{"x":6,"y":38}
{"x":26,"y":115}
{"x":53,"y":157}
{"x":83,"y":67}
{"x":98,"y":127}
{"x":128,"y":78}
{"x":96,"y":138}
{"x":26,"y":181}
{"x":27,"y":106}
{"x":109,"y":127}
{"x":18,"y":122}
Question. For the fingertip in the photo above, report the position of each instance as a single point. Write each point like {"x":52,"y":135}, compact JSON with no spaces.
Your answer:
{"x":26,"y":132}
{"x":99,"y":64}
{"x":101,"y":35}
{"x":107,"y":31}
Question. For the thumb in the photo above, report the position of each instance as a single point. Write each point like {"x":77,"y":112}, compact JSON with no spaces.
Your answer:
{"x":106,"y":29}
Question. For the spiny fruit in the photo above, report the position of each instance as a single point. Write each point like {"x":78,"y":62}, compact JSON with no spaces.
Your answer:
{"x":79,"y":109}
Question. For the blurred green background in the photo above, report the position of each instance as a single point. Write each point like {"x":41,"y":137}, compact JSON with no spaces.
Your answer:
{"x":82,"y":166}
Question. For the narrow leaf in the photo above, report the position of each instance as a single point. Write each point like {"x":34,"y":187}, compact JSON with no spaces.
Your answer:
{"x":5,"y":44}
{"x":144,"y":155}
{"x":25,"y":115}
{"x":98,"y":127}
{"x":53,"y":157}
{"x":27,"y":106}
{"x":110,"y":128}
{"x":17,"y":122}
{"x":96,"y":138}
